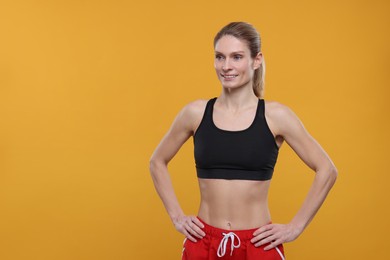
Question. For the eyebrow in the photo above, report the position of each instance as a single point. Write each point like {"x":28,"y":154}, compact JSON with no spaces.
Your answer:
{"x":235,"y":52}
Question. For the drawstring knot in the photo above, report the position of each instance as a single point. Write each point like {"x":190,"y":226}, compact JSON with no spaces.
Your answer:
{"x":222,"y":246}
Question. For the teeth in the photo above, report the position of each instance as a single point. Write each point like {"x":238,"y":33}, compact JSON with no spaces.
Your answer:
{"x":229,"y":76}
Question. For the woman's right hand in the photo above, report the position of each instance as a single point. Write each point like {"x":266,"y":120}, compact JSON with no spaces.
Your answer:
{"x":190,"y":226}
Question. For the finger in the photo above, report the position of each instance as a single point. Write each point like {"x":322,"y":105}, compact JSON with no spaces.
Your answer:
{"x":194,"y":233}
{"x":196,"y":225}
{"x":194,"y":230}
{"x":262,"y":236}
{"x":266,"y":240}
{"x":263,"y":229}
{"x":273,"y":244}
{"x":189,"y":236}
{"x":197,"y":222}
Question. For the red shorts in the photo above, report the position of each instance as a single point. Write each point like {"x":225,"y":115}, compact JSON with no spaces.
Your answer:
{"x":228,"y":244}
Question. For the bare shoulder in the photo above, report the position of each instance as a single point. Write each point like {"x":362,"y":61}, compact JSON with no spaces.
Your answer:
{"x":280,"y":116}
{"x":276,"y":109}
{"x":196,"y":107}
{"x":193,"y":113}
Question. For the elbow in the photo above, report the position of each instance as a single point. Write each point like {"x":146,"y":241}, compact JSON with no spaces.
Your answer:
{"x":333,"y":174}
{"x":328,"y":174}
{"x":154,"y":165}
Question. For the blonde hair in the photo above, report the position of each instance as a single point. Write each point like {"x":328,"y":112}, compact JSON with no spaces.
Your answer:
{"x":245,"y":31}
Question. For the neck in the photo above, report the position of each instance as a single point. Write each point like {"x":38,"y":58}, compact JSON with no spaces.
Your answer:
{"x":239,"y":98}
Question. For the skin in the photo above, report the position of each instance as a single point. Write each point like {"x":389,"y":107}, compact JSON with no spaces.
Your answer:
{"x":234,"y":109}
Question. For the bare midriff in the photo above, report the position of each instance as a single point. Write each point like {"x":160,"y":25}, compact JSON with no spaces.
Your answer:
{"x":234,"y":204}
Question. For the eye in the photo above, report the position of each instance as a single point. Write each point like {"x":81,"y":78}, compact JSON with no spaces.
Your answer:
{"x":218,"y":57}
{"x":237,"y":57}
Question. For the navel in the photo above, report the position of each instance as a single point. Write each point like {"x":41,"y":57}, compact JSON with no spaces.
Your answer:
{"x":229,"y":225}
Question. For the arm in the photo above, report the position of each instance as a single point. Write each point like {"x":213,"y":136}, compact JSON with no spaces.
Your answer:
{"x":178,"y":134}
{"x":309,"y":150}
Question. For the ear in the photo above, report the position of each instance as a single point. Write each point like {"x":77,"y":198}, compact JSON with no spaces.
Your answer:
{"x":257,"y":61}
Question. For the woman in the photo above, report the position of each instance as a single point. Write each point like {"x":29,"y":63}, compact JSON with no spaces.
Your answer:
{"x":237,"y":137}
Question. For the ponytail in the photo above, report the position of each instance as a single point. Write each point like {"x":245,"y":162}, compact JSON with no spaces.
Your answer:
{"x":258,"y":80}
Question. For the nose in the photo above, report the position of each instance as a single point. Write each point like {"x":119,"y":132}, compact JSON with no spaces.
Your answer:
{"x":226,"y":65}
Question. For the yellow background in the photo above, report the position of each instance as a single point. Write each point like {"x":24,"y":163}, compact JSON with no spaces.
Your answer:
{"x":89,"y":88}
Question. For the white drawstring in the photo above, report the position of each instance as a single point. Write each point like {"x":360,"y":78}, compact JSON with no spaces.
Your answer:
{"x":280,"y":253}
{"x":222,"y":246}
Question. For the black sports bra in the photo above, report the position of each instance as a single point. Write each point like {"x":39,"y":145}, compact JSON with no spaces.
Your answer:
{"x":248,"y":154}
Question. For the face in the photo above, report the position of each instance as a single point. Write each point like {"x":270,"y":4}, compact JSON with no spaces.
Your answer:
{"x":233,"y":63}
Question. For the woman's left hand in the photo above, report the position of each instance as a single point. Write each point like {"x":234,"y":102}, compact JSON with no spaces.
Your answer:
{"x":274,"y":235}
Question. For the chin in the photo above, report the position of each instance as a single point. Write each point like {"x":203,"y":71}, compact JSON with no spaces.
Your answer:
{"x":233,"y":85}
{"x":230,"y":87}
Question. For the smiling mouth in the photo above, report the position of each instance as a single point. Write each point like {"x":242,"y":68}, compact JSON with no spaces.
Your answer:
{"x":229,"y":76}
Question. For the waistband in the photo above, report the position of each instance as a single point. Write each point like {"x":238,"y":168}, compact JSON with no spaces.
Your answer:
{"x":243,"y":234}
{"x":234,"y":174}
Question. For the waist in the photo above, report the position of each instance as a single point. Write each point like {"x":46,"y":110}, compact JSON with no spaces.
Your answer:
{"x":216,"y":232}
{"x":241,"y":203}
